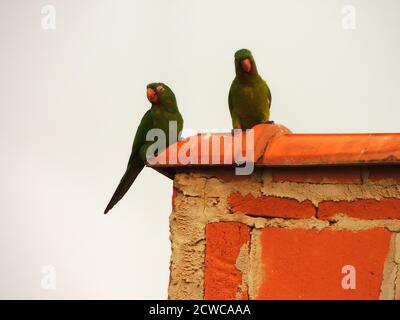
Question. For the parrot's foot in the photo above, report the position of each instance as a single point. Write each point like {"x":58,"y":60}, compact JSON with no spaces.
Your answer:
{"x":236,"y":130}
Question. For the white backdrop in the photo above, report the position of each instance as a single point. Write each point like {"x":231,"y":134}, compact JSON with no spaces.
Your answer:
{"x":71,"y":99}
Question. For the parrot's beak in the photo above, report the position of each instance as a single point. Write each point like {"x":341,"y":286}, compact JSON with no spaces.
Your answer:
{"x":246,"y":65}
{"x":152,"y":96}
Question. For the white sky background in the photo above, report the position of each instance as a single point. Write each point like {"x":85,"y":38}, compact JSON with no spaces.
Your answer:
{"x":71,"y":100}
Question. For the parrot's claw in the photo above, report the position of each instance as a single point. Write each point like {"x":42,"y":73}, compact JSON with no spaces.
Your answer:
{"x":236,"y":130}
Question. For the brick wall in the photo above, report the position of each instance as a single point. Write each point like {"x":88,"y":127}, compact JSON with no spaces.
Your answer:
{"x":286,"y":233}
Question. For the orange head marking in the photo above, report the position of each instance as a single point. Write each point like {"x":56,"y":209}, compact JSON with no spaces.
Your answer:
{"x":246,"y":64}
{"x":152,"y":95}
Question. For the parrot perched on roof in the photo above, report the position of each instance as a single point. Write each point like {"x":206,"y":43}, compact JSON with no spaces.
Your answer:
{"x":249,"y":96}
{"x":163,"y":110}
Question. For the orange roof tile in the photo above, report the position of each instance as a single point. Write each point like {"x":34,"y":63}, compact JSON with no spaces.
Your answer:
{"x":333,"y":149}
{"x":275,"y":145}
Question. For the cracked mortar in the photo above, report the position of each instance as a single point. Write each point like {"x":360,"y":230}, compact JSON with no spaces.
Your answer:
{"x":328,"y":192}
{"x":390,"y":271}
{"x":243,"y":264}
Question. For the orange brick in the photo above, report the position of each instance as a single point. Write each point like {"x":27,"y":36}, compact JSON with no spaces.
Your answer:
{"x":388,"y":208}
{"x":317,"y":175}
{"x":307,"y":264}
{"x":223,"y":243}
{"x":385,"y":173}
{"x":270,"y":206}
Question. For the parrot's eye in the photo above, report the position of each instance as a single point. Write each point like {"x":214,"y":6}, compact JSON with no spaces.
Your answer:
{"x":246,"y":65}
{"x":152,"y":95}
{"x":160,"y":88}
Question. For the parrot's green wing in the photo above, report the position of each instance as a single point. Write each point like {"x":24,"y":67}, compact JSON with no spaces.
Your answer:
{"x":269,"y":96}
{"x":135,"y":164}
{"x":230,"y":100}
{"x":145,"y":125}
{"x":235,"y":119}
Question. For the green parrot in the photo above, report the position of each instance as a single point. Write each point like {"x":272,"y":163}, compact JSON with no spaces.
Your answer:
{"x":249,"y":96}
{"x":163,"y":110}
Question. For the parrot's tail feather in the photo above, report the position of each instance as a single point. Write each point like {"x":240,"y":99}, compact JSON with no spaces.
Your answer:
{"x":129,"y":177}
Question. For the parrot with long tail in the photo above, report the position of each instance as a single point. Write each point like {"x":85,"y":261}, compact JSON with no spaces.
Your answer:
{"x":163,"y":109}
